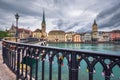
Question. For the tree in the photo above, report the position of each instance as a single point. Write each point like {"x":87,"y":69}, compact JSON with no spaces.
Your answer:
{"x":3,"y":34}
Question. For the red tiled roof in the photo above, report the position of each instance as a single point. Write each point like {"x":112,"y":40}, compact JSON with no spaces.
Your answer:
{"x":20,"y":30}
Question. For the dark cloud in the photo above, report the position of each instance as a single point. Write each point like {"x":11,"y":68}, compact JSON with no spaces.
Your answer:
{"x":86,"y":28}
{"x":67,"y":15}
{"x":109,"y":17}
{"x":66,"y":25}
{"x":22,"y":7}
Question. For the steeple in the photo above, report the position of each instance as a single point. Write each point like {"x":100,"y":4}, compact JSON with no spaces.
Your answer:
{"x":95,"y":22}
{"x":43,"y":23}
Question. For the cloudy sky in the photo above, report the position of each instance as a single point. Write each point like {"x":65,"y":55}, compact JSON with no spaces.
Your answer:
{"x":67,"y":15}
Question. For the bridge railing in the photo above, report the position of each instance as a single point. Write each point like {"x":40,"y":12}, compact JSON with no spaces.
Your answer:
{"x":19,"y":57}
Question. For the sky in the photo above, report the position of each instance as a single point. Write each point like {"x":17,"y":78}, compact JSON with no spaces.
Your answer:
{"x":66,"y":15}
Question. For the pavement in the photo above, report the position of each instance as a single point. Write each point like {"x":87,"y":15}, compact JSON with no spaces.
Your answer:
{"x":5,"y":72}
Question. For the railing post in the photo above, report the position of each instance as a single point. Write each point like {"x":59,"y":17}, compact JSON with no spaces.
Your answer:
{"x":9,"y":59}
{"x":12,"y":60}
{"x":26,"y":67}
{"x":31,"y":68}
{"x":15,"y":60}
{"x":43,"y":69}
{"x":50,"y":67}
{"x":3,"y":53}
{"x":107,"y":74}
{"x":30,"y":71}
{"x":22,"y":63}
{"x":18,"y":64}
{"x":37,"y":58}
{"x":74,"y":67}
{"x":90,"y":74}
{"x":59,"y":70}
{"x":36,"y":73}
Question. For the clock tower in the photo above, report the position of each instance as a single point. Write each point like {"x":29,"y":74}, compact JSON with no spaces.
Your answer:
{"x":43,"y":24}
{"x":94,"y":32}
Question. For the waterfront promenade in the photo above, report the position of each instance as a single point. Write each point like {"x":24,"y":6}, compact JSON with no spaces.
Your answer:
{"x":5,"y":72}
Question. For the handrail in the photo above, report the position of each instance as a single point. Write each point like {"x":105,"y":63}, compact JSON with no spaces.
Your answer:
{"x":63,"y":49}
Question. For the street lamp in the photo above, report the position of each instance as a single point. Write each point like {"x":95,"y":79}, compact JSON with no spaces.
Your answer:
{"x":16,"y":17}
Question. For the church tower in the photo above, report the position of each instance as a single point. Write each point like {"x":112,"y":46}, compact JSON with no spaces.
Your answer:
{"x":94,"y":32}
{"x":43,"y":23}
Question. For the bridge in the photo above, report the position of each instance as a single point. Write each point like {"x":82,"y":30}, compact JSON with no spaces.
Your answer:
{"x":19,"y":57}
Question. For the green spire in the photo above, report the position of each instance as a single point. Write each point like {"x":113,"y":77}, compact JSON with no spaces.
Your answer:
{"x":43,"y":21}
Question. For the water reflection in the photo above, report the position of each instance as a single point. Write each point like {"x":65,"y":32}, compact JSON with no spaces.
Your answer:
{"x":104,"y":48}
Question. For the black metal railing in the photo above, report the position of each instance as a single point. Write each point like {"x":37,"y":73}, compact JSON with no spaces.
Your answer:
{"x":19,"y":57}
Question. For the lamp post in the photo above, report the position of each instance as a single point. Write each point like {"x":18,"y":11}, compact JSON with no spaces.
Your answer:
{"x":16,"y":17}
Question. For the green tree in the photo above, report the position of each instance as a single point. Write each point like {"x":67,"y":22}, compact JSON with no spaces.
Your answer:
{"x":3,"y":34}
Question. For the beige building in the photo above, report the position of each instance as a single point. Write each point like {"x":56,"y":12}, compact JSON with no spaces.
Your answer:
{"x":69,"y":36}
{"x":76,"y":38}
{"x":12,"y":31}
{"x":37,"y":33}
{"x":22,"y":33}
{"x":56,"y":36}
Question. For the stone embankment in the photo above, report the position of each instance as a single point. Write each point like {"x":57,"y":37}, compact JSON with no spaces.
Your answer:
{"x":5,"y":72}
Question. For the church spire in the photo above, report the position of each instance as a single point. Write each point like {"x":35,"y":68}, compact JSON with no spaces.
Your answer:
{"x":43,"y":22}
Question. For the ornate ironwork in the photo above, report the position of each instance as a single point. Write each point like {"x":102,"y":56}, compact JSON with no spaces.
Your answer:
{"x":14,"y":53}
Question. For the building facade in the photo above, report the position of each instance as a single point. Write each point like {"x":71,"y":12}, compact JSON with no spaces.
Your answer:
{"x":12,"y":30}
{"x":103,"y":36}
{"x":56,"y":36}
{"x":37,"y":33}
{"x":82,"y":35}
{"x":22,"y":33}
{"x":87,"y":37}
{"x":76,"y":38}
{"x":115,"y":36}
{"x":69,"y":36}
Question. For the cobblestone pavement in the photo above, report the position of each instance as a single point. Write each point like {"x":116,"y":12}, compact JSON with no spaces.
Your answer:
{"x":5,"y":72}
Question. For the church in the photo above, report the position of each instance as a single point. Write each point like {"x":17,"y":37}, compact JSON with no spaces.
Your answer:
{"x":94,"y":32}
{"x":41,"y":33}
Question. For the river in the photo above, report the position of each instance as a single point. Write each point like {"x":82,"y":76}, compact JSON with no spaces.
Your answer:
{"x":102,"y":47}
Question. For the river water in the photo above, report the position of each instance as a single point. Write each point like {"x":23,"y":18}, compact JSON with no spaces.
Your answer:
{"x":83,"y":72}
{"x":103,"y":47}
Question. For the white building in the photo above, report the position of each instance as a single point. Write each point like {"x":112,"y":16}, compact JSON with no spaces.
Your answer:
{"x":87,"y":37}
